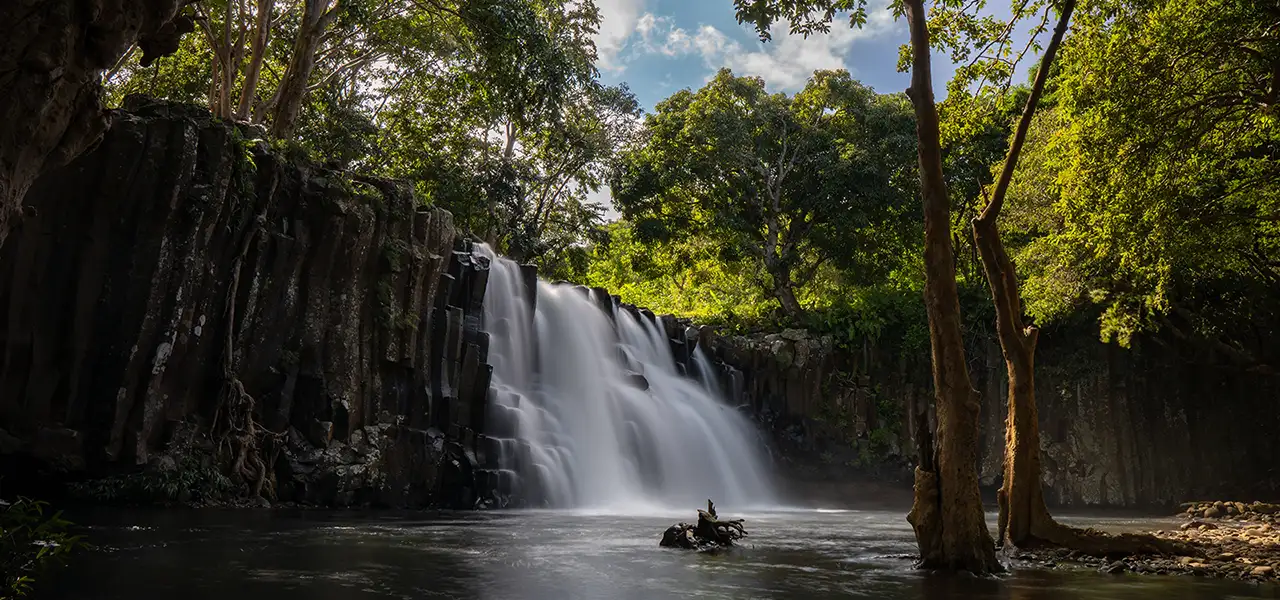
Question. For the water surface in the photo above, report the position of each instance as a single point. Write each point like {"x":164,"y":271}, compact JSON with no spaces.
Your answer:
{"x":552,"y":555}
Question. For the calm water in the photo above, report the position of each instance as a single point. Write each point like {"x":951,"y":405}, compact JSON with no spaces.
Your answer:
{"x":264,"y":555}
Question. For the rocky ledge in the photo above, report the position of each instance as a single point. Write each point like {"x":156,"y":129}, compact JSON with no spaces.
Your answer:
{"x":1234,"y":540}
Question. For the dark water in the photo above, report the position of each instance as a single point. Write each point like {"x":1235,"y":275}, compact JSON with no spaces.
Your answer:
{"x":249,"y":555}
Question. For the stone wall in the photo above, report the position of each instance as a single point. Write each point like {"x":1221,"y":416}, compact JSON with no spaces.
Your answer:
{"x":178,"y":257}
{"x":1153,"y":425}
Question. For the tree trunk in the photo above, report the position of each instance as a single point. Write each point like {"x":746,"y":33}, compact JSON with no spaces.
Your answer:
{"x":783,"y":288}
{"x":787,"y":297}
{"x":1024,"y":517}
{"x":261,"y":33}
{"x":947,"y":513}
{"x":293,"y":87}
{"x":52,"y":53}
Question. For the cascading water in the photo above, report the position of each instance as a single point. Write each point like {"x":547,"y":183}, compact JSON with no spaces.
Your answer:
{"x":598,"y":412}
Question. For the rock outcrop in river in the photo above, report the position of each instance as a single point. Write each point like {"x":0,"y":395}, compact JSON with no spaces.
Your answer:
{"x":183,"y":276}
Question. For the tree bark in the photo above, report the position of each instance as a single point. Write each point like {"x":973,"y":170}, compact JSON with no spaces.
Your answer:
{"x":316,"y":17}
{"x":783,"y":287}
{"x":52,"y":53}
{"x":261,"y":33}
{"x":1024,"y":517}
{"x":947,"y":514}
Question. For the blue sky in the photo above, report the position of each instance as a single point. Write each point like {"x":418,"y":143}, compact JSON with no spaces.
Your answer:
{"x":661,"y":46}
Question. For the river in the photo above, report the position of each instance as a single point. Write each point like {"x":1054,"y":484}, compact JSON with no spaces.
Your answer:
{"x":552,"y":555}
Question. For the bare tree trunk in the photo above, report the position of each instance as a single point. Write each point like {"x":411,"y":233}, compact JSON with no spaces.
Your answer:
{"x":261,"y":33}
{"x":52,"y":54}
{"x":316,"y":17}
{"x":1024,"y":517}
{"x":947,"y":513}
{"x":227,"y":76}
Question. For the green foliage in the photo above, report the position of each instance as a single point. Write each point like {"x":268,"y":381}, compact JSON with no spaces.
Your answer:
{"x":186,"y":473}
{"x":779,"y":186}
{"x":1154,"y":185}
{"x":417,"y":91}
{"x":30,"y":539}
{"x":805,"y":16}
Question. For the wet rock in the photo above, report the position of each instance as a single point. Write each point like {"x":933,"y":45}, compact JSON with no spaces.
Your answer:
{"x":320,"y":433}
{"x":794,"y":335}
{"x":1263,"y":571}
{"x":1213,"y":512}
{"x":638,"y":381}
{"x":1116,"y":567}
{"x":60,"y":447}
{"x":8,"y":443}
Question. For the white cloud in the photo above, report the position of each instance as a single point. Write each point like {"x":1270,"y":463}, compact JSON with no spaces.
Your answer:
{"x":785,"y":63}
{"x":619,"y":20}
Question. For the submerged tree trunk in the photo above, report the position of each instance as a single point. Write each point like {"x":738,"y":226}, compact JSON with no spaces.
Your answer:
{"x":947,"y":513}
{"x":52,"y":53}
{"x":1024,"y":517}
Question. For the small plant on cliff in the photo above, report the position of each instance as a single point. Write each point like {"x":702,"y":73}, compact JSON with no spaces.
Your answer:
{"x":186,"y":473}
{"x":394,"y":252}
{"x":30,"y":539}
{"x":388,"y":315}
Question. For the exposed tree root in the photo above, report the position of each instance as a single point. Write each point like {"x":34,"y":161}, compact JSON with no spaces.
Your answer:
{"x":245,"y":448}
{"x":1045,"y":532}
{"x":709,"y":532}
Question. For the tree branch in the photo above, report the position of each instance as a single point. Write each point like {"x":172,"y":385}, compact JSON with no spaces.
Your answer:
{"x":992,"y":210}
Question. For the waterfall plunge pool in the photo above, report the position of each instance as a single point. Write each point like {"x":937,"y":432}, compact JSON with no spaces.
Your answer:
{"x":551,"y":555}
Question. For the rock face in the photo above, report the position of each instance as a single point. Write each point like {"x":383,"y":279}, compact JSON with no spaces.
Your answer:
{"x":1154,"y":425}
{"x":52,"y":53}
{"x":179,"y":262}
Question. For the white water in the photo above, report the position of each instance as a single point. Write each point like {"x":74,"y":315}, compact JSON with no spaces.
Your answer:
{"x":586,"y":435}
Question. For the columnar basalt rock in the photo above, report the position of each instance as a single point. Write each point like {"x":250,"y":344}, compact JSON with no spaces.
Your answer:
{"x":178,"y":259}
{"x":1147,"y":426}
{"x":52,"y":54}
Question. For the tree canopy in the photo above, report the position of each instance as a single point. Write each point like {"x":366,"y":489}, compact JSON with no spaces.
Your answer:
{"x":494,"y":109}
{"x":784,"y":183}
{"x":1151,"y":187}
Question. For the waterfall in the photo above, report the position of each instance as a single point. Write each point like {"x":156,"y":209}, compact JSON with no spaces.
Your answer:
{"x":597,"y":410}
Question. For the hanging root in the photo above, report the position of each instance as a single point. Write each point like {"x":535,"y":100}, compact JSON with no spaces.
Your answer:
{"x":248,"y":448}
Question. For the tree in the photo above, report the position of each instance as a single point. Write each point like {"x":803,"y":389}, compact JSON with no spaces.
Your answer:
{"x":1024,"y":518}
{"x":417,"y":89}
{"x":789,"y":183}
{"x":1154,"y":179}
{"x":947,"y":513}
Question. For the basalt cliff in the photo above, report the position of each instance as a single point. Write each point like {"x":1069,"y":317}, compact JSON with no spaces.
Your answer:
{"x":186,"y":299}
{"x":313,"y":333}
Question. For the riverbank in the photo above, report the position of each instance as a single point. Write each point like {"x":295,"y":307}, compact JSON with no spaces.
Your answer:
{"x":1233,"y":540}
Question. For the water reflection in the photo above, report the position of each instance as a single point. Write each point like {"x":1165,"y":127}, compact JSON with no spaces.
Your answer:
{"x":536,"y":555}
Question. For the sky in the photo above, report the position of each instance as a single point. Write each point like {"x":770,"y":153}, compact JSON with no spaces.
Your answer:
{"x":658,"y":47}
